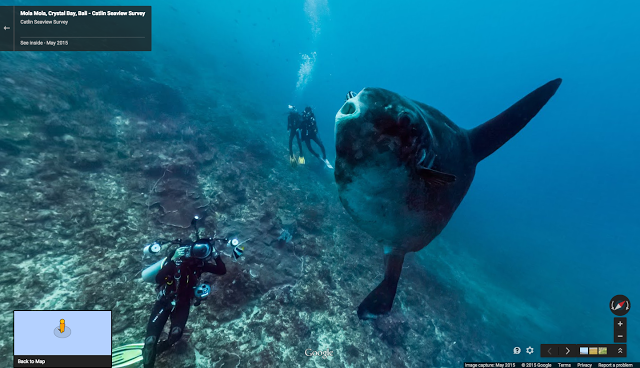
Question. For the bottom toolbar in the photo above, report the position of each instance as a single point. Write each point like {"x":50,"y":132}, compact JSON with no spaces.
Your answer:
{"x":552,"y":365}
{"x":583,"y":350}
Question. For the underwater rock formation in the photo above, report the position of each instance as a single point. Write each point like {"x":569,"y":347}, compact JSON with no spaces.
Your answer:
{"x":90,"y":171}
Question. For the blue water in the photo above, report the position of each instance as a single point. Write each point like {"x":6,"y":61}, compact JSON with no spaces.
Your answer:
{"x":552,"y":217}
{"x":551,"y":220}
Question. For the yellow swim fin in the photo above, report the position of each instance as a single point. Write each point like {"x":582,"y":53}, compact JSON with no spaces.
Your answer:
{"x":301,"y":160}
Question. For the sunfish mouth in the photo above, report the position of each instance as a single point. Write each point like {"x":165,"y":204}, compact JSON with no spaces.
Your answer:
{"x":350,"y":110}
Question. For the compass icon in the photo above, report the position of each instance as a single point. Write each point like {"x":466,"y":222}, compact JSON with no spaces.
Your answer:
{"x":619,"y":305}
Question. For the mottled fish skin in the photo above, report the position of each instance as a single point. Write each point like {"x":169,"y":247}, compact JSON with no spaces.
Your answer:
{"x":402,"y":169}
{"x":382,"y":143}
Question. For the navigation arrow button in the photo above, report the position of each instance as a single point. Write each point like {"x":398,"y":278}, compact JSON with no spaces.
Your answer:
{"x":548,"y":350}
{"x":568,"y":351}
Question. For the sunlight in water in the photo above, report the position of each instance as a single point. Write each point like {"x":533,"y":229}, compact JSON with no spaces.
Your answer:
{"x":315,"y":9}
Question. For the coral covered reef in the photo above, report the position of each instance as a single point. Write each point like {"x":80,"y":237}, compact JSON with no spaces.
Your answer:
{"x":99,"y":154}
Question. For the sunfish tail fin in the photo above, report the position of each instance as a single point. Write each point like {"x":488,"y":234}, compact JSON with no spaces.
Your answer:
{"x":488,"y":137}
{"x":380,"y":300}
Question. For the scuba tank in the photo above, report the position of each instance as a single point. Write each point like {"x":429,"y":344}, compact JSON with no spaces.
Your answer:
{"x":149,"y":273}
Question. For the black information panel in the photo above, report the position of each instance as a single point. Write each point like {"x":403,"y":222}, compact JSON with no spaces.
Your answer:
{"x":75,"y":28}
{"x":63,"y":361}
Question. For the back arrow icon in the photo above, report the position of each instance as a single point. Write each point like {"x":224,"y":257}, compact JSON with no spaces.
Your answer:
{"x":5,"y":28}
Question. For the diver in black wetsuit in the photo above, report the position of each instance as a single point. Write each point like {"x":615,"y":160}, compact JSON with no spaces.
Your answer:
{"x":310,"y":132}
{"x":293,"y":126}
{"x":178,"y":281}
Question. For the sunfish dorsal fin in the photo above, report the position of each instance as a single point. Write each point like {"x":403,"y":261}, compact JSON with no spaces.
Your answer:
{"x":488,"y":137}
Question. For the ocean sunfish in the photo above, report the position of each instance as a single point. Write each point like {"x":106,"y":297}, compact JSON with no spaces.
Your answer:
{"x":402,"y":168}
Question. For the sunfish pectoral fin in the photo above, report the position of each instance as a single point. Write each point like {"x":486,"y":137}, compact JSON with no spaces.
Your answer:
{"x":380,"y":300}
{"x":488,"y":137}
{"x":435,"y":177}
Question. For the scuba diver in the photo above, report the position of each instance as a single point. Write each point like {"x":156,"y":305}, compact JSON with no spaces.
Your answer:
{"x":293,"y":126}
{"x":310,"y":131}
{"x":178,"y":279}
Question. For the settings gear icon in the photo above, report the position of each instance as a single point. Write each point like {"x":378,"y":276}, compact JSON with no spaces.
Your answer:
{"x":529,"y":350}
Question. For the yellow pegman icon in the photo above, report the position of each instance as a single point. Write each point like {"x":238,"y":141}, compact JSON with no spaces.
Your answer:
{"x":62,"y":325}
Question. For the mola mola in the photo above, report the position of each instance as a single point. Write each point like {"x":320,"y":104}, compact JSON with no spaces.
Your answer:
{"x":402,"y":168}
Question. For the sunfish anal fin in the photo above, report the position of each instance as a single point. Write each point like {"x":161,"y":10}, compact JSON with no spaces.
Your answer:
{"x":380,"y":300}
